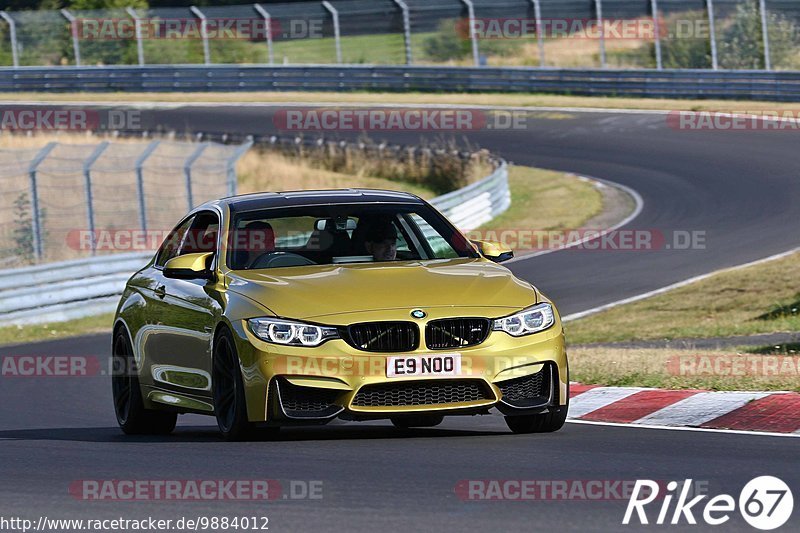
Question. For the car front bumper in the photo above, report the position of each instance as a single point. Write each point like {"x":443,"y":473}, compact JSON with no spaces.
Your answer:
{"x":512,"y":376}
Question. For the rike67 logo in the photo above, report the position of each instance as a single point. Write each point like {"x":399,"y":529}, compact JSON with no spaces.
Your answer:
{"x":765,"y":503}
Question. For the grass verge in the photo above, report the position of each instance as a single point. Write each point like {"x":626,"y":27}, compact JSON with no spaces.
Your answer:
{"x":412,"y":98}
{"x":543,"y":201}
{"x":59,"y":330}
{"x":683,"y":369}
{"x":266,"y":171}
{"x":762,"y":298}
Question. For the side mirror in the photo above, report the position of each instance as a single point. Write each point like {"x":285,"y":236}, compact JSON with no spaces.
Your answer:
{"x":190,"y":266}
{"x":494,"y":251}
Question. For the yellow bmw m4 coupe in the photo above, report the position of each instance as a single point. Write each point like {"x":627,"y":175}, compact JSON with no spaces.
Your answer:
{"x":280,"y":309}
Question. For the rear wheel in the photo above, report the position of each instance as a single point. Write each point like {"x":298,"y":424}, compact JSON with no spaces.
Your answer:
{"x":417,"y":421}
{"x":230,"y":404}
{"x":132,"y":416}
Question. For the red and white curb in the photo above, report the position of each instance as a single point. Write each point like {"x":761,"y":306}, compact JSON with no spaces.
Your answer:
{"x":771,"y":412}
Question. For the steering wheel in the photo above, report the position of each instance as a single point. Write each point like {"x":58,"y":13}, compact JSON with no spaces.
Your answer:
{"x":279,"y":259}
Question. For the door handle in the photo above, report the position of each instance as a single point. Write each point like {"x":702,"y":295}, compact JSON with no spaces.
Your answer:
{"x":161,"y":291}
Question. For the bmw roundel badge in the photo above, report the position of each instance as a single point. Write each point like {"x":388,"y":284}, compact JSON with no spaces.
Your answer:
{"x":418,"y":313}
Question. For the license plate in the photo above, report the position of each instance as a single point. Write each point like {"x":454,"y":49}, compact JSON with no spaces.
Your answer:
{"x":423,"y":365}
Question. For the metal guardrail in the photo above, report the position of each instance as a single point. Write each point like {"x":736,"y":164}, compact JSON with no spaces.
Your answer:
{"x":56,"y":292}
{"x":477,"y":203}
{"x":652,"y":83}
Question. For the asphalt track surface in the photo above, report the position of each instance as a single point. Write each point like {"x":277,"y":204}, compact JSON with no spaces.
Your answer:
{"x":741,"y":188}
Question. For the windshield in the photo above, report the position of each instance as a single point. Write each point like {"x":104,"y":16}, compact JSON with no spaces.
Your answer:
{"x":341,"y":233}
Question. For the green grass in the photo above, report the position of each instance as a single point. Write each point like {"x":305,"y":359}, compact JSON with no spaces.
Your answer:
{"x":414,"y":98}
{"x":662,"y":368}
{"x":763,"y":298}
{"x":387,"y":49}
{"x":59,"y":330}
{"x":544,"y":200}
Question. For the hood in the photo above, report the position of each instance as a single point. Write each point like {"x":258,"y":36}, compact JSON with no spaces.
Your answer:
{"x":314,"y":291}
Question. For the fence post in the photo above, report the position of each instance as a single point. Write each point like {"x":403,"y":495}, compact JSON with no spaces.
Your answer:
{"x":765,"y":34}
{"x":203,"y":33}
{"x":472,"y":37}
{"x":336,"y":29}
{"x":537,"y":15}
{"x":74,"y":30}
{"x":713,"y":31}
{"x":657,"y":35}
{"x":87,"y":175}
{"x":268,"y":22}
{"x":149,"y":149}
{"x":137,"y":26}
{"x":406,"y":28}
{"x":187,"y":172}
{"x":36,"y":214}
{"x":12,"y":32}
{"x":598,"y":6}
{"x":230,"y":164}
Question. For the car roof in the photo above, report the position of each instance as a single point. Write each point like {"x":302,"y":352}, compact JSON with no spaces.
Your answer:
{"x":265,"y":200}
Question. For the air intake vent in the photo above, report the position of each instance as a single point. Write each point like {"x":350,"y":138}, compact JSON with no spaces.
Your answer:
{"x":456,"y":332}
{"x":383,"y":336}
{"x":528,"y":391}
{"x":422,"y":393}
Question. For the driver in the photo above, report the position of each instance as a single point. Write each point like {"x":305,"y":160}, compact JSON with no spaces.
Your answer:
{"x":257,"y":239}
{"x":380,"y":240}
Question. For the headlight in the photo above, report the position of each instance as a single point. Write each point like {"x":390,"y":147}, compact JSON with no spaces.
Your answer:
{"x":290,"y":332}
{"x":533,"y":319}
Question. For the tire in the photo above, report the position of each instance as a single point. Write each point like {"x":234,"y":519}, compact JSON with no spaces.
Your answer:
{"x":230,"y":404}
{"x":417,"y":421}
{"x":542,"y":423}
{"x":132,"y":416}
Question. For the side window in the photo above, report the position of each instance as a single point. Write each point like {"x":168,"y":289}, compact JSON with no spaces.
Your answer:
{"x":202,"y":234}
{"x":172,"y":243}
{"x":439,"y":246}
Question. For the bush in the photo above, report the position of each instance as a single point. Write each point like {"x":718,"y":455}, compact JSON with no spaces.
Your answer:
{"x":23,"y":229}
{"x":742,"y":46}
{"x":451,"y":42}
{"x":739,"y":41}
{"x":441,"y":168}
{"x":447,"y":43}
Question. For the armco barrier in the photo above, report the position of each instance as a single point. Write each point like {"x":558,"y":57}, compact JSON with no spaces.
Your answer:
{"x":67,"y":290}
{"x":694,"y":83}
{"x":55,"y":292}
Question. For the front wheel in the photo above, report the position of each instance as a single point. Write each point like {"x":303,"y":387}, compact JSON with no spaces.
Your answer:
{"x":230,"y":405}
{"x":132,"y":416}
